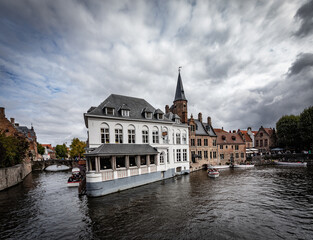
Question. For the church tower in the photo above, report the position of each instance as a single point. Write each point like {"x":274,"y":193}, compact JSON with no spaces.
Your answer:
{"x":180,"y":102}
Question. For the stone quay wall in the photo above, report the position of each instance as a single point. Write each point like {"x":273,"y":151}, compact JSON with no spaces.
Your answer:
{"x":13,"y":175}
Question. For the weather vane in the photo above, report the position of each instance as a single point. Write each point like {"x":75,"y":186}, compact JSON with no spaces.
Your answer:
{"x":179,"y":68}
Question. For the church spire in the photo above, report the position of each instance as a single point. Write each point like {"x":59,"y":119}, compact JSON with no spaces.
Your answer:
{"x":180,"y":93}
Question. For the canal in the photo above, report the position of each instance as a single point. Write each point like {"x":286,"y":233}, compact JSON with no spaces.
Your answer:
{"x":259,"y":203}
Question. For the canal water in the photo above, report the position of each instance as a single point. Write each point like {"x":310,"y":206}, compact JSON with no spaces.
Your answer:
{"x":259,"y":203}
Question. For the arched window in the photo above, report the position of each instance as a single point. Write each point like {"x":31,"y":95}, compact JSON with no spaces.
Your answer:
{"x":118,"y":133}
{"x":104,"y":133}
{"x":165,"y":135}
{"x":131,"y":134}
{"x":162,"y":157}
{"x":145,"y":134}
{"x":155,"y":135}
{"x":178,"y":140}
{"x":184,"y":137}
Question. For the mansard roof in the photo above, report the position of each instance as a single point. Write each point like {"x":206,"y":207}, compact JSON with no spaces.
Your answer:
{"x":123,"y":150}
{"x":180,"y":93}
{"x":137,"y":107}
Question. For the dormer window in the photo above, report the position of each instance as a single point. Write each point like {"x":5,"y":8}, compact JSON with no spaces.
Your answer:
{"x":148,"y":115}
{"x":125,"y":113}
{"x":160,"y":116}
{"x":177,"y":120}
{"x":109,"y":111}
{"x":223,"y":138}
{"x":233,"y":138}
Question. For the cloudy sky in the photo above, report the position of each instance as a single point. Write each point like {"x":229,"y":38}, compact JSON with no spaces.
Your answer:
{"x":244,"y":63}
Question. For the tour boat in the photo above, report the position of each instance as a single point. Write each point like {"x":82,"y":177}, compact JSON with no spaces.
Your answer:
{"x":213,"y":173}
{"x":75,"y":179}
{"x":243,"y":166}
{"x":292,"y":164}
{"x":56,"y":168}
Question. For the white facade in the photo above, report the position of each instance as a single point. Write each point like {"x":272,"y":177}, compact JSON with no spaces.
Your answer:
{"x":170,"y":139}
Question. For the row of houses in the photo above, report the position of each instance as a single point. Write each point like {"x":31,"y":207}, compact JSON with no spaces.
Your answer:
{"x":131,"y":143}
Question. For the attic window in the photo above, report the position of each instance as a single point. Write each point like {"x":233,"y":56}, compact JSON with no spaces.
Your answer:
{"x":177,"y":120}
{"x":223,"y":138}
{"x":160,"y":116}
{"x":148,"y":115}
{"x":125,"y":113}
{"x":233,"y":138}
{"x":109,"y":111}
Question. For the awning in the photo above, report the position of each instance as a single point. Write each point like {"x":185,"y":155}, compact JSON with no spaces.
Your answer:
{"x":123,"y":149}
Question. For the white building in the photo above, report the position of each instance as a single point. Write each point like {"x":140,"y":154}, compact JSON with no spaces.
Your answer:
{"x":131,"y":143}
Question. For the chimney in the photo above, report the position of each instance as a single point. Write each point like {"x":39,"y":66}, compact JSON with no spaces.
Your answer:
{"x":234,"y":131}
{"x":167,"y":109}
{"x":17,"y":124}
{"x":200,"y":117}
{"x":2,"y":112}
{"x":12,"y":120}
{"x":223,"y":128}
{"x":210,"y":122}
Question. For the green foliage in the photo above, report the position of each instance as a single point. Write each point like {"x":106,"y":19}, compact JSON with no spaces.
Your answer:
{"x":306,"y":127}
{"x":296,"y":132}
{"x":12,"y":150}
{"x":287,"y":132}
{"x":40,"y":149}
{"x":77,"y":148}
{"x":61,"y":151}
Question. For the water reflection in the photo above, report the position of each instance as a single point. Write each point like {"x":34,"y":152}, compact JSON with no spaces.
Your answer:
{"x":260,"y":203}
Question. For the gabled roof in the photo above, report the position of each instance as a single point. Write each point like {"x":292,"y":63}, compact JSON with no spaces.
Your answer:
{"x":159,"y":111}
{"x":180,"y":93}
{"x":137,"y":107}
{"x":123,"y":149}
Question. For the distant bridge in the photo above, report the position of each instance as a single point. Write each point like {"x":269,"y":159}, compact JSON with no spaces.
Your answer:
{"x":41,"y":165}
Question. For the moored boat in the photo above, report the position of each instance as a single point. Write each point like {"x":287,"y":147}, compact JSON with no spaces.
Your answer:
{"x":292,"y":164}
{"x":75,"y":179}
{"x":219,"y":166}
{"x":213,"y":173}
{"x":243,"y":166}
{"x":56,"y":168}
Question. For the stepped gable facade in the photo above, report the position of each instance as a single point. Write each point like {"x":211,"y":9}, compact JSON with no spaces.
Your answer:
{"x":265,"y":139}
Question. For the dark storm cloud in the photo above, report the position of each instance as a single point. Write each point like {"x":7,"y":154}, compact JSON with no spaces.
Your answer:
{"x":303,"y":61}
{"x":305,"y":14}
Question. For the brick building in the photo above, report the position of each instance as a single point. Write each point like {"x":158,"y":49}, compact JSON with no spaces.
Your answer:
{"x":265,"y":139}
{"x":231,"y":147}
{"x":202,"y":138}
{"x":10,"y":128}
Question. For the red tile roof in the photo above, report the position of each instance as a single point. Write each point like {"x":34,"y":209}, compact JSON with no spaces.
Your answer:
{"x":224,"y":137}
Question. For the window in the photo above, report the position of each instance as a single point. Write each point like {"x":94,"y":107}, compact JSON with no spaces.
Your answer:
{"x":257,"y":143}
{"x":221,"y":146}
{"x":265,"y":142}
{"x":211,"y":155}
{"x":132,"y":161}
{"x":236,"y":147}
{"x":152,"y":159}
{"x":92,"y":164}
{"x":145,"y":136}
{"x":155,"y":136}
{"x":184,"y":138}
{"x":131,"y":135}
{"x":261,"y":143}
{"x":105,"y":163}
{"x":237,"y":155}
{"x":198,"y":142}
{"x":192,"y":142}
{"x":214,"y":142}
{"x":160,"y":116}
{"x":118,"y":135}
{"x":214,"y":154}
{"x":221,"y":156}
{"x":199,"y":154}
{"x":242,"y":155}
{"x":261,"y":134}
{"x":165,"y":135}
{"x":205,"y":142}
{"x":192,"y":128}
{"x":125,"y":113}
{"x":178,"y":155}
{"x":105,"y":135}
{"x":177,"y":138}
{"x":120,"y":162}
{"x":143,"y":160}
{"x":162,"y":158}
{"x":109,"y":111}
{"x":205,"y":154}
{"x":185,"y":155}
{"x":148,"y":115}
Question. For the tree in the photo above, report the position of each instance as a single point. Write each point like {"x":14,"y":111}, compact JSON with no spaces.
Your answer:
{"x":41,"y":149}
{"x":61,"y":151}
{"x":77,"y":148}
{"x":287,"y":132}
{"x":12,"y":150}
{"x":306,"y":127}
